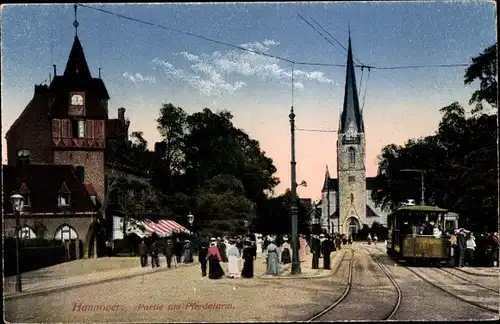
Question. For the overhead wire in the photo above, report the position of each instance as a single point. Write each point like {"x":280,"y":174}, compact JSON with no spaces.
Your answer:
{"x":267,"y":54}
{"x":366,"y":89}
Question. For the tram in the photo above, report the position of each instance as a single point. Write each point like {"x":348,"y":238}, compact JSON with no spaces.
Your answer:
{"x":411,"y":236}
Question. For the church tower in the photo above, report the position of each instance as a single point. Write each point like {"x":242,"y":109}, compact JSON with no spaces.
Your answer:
{"x":351,"y":157}
{"x":79,"y":111}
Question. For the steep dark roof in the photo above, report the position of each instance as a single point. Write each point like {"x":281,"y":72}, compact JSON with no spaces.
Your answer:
{"x":370,"y":212}
{"x":77,"y":67}
{"x":44,"y":183}
{"x":351,"y":110}
{"x":332,"y":184}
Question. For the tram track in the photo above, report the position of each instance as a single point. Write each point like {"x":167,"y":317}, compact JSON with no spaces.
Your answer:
{"x":454,"y":295}
{"x":469,"y":281}
{"x":349,"y":286}
{"x":478,"y":274}
{"x":346,"y":291}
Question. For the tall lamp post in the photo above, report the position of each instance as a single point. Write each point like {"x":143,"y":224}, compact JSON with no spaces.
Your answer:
{"x":422,"y":198}
{"x":17,"y":203}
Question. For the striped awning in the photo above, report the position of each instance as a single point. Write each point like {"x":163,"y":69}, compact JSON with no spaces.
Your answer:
{"x":164,"y":227}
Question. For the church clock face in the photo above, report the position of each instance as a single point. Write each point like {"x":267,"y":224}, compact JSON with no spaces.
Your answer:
{"x":77,"y":100}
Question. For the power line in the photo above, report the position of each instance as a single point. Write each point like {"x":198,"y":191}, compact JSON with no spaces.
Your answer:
{"x":315,"y":130}
{"x":366,"y":89}
{"x":266,"y":54}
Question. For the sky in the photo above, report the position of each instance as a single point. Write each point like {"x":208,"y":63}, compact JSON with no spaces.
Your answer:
{"x":144,"y":66}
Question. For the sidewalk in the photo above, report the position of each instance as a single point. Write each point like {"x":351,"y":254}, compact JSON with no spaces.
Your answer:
{"x":79,"y":273}
{"x":306,"y":268}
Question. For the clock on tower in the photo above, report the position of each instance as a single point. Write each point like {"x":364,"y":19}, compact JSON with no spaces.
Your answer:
{"x":76,"y":104}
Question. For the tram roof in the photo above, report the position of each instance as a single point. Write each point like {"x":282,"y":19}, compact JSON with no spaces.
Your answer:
{"x":423,"y":208}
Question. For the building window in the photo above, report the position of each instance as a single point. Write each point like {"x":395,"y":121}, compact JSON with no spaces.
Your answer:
{"x":23,"y":157}
{"x":77,"y":128}
{"x":352,"y":198}
{"x":352,"y":156}
{"x":65,"y":232}
{"x":26,"y":233}
{"x":352,"y":179}
{"x":27,"y":200}
{"x":63,"y":199}
{"x":77,"y":100}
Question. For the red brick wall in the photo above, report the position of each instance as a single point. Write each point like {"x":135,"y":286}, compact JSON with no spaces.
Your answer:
{"x":31,"y":132}
{"x":93,"y":163}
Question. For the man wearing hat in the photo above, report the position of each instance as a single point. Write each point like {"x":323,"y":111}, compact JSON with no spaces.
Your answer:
{"x":461,"y":246}
{"x":315,"y":250}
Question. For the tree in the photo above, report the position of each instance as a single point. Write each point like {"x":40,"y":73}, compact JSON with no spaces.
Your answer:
{"x":221,"y":206}
{"x":484,"y":69}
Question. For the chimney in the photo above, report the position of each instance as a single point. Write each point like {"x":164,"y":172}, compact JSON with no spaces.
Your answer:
{"x":121,"y":115}
{"x":55,"y":70}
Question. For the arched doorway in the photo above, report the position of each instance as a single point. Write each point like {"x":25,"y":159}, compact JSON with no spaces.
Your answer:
{"x":70,"y":239}
{"x":353,"y":227}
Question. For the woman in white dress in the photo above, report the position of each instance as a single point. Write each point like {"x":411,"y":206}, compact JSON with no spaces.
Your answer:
{"x":233,"y":265}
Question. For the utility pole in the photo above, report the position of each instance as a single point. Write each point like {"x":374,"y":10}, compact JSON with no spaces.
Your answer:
{"x":294,"y":210}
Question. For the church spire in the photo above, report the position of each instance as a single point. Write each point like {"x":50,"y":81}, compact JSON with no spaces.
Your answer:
{"x":351,"y":113}
{"x":75,"y":23}
{"x":77,"y":64}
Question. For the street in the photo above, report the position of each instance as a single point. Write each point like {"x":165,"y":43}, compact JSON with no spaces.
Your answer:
{"x":183,"y":295}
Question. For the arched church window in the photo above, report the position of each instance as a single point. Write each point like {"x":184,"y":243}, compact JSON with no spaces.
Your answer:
{"x":352,"y":155}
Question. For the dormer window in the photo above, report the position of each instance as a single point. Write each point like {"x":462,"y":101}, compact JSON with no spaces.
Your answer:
{"x":63,"y":199}
{"x":64,"y":196}
{"x":77,"y":100}
{"x":23,"y":157}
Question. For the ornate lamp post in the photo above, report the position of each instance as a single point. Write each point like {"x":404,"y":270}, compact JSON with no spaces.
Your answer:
{"x":190,"y":218}
{"x":422,"y":198}
{"x":17,"y":203}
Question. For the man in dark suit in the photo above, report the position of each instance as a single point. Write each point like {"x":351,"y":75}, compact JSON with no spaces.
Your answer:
{"x":169,"y":252}
{"x":202,"y":258}
{"x":143,"y":253}
{"x":461,"y":246}
{"x":315,"y":250}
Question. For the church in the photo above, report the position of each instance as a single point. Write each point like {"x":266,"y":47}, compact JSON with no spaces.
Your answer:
{"x":346,"y":202}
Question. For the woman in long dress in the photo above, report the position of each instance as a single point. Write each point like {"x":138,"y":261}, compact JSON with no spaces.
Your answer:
{"x":213,"y":256}
{"x":272,"y":259}
{"x":188,"y":252}
{"x":302,"y":249}
{"x":249,"y":255}
{"x":233,"y":265}
{"x":222,"y":247}
{"x":286,"y":256}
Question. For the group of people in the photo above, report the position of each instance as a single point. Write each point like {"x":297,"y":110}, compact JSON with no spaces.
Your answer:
{"x":467,"y":250}
{"x":176,"y":251}
{"x":370,"y":239}
{"x":233,"y":251}
{"x":278,"y":250}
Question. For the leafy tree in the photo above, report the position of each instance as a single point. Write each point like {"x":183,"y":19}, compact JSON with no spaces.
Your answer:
{"x":484,"y":68}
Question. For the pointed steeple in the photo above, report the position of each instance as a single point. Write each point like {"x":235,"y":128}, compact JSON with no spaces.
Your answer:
{"x":77,"y":64}
{"x":351,"y":112}
{"x":326,"y":184}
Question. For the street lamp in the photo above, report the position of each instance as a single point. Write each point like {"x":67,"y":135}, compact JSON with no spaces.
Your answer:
{"x":422,"y":198}
{"x":190,"y":218}
{"x":17,"y":203}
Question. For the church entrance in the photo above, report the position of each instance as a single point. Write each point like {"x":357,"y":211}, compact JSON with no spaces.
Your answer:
{"x":353,"y":227}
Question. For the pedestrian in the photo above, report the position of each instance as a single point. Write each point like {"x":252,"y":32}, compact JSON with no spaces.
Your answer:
{"x":469,"y":249}
{"x":272,"y":259}
{"x":286,"y":256}
{"x":222,"y":247}
{"x":461,"y":245}
{"x":168,"y":251}
{"x":213,"y":256}
{"x":178,"y":250}
{"x":326,"y":250}
{"x":338,"y":242}
{"x":188,"y":252}
{"x":344,"y":239}
{"x":369,"y":239}
{"x":249,"y":255}
{"x":143,"y":253}
{"x":239,"y":245}
{"x":202,"y":258}
{"x":302,"y":249}
{"x":233,"y":264}
{"x":315,"y":250}
{"x":109,"y":248}
{"x":155,"y":260}
{"x":375,"y":239}
{"x":491,"y":249}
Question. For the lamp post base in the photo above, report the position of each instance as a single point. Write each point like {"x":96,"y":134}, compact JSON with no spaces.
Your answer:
{"x":18,"y":285}
{"x":296,"y":268}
